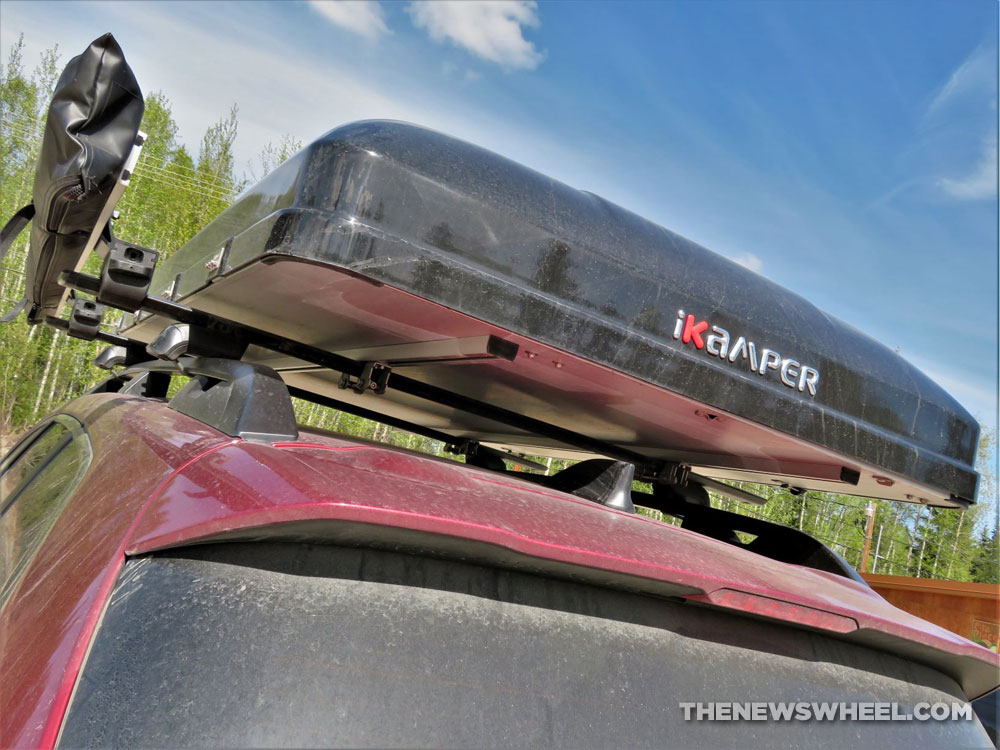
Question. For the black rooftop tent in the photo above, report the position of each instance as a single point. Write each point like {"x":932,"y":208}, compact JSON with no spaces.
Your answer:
{"x":387,"y":242}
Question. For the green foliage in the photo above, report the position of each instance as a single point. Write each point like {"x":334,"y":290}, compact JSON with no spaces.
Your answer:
{"x":985,"y":564}
{"x":272,"y":155}
{"x":170,"y":197}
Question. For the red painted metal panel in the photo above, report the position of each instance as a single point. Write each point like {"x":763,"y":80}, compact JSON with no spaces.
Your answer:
{"x":248,"y":485}
{"x":48,"y":621}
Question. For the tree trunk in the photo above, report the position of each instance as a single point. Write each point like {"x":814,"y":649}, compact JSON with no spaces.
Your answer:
{"x":916,"y":530}
{"x":839,"y":526}
{"x":45,"y":377}
{"x":954,"y":546}
{"x":878,"y":546}
{"x":53,"y":381}
{"x":920,"y":561}
{"x":892,"y":541}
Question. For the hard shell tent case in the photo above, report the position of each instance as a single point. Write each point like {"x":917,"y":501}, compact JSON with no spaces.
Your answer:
{"x":385,"y":242}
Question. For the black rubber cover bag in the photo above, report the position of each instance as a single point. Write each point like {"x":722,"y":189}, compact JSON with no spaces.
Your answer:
{"x":92,"y":125}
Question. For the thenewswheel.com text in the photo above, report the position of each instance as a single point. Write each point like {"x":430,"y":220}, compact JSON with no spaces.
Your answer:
{"x":803,"y":711}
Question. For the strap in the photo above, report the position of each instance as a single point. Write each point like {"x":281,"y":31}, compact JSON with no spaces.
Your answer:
{"x":18,"y":222}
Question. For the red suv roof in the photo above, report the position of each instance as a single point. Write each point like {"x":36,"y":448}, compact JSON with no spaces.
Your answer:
{"x":161,"y":479}
{"x":300,"y":488}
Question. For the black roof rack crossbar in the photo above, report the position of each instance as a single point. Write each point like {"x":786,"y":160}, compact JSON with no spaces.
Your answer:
{"x":135,"y":350}
{"x":458,"y":446}
{"x":772,"y":540}
{"x":360,"y":411}
{"x":108,"y":338}
{"x":647,"y":467}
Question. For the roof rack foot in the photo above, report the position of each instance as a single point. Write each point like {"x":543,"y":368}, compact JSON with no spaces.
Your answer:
{"x":600,"y":480}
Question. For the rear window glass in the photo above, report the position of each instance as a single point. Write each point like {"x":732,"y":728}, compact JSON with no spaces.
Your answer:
{"x":35,"y":484}
{"x":296,"y":645}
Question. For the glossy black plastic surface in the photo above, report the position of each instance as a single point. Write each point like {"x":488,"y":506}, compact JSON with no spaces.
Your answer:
{"x":460,"y":226}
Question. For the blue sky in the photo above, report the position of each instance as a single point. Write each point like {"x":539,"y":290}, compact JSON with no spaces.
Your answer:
{"x":846,"y":150}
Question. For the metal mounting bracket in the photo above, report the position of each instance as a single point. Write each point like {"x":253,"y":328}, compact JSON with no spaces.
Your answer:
{"x":111,"y":357}
{"x":126,"y":275}
{"x":374,"y":378}
{"x":490,"y":458}
{"x":85,"y":319}
{"x":180,"y":339}
{"x":670,"y":473}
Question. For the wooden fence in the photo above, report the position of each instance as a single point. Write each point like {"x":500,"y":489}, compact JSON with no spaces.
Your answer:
{"x":970,"y":609}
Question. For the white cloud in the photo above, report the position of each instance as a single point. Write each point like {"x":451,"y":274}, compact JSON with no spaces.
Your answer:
{"x":979,"y":184}
{"x":306,"y":95}
{"x":749,"y":261}
{"x":491,"y":29}
{"x":976,"y":77}
{"x":363,"y":17}
{"x":960,"y":109}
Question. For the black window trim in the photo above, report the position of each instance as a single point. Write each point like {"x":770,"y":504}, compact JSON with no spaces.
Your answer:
{"x":21,"y":445}
{"x":26,"y":482}
{"x":75,"y":430}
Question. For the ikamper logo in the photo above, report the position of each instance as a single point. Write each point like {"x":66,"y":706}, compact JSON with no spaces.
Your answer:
{"x":717,"y":341}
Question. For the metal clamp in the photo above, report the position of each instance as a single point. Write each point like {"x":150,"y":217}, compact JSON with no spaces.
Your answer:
{"x":85,"y":319}
{"x":668,"y":473}
{"x":171,"y":342}
{"x":490,"y":458}
{"x":373,"y":379}
{"x":126,"y":275}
